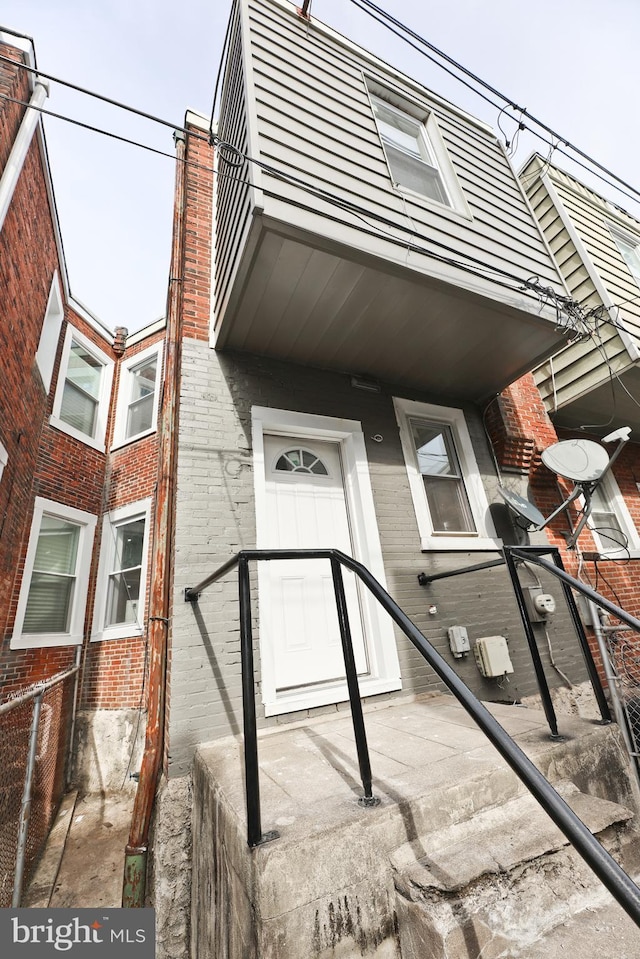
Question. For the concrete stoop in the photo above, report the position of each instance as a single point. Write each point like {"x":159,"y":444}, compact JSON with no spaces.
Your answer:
{"x":457,"y":862}
{"x":493,"y":885}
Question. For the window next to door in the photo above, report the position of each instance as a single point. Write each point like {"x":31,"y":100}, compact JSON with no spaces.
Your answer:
{"x":447,"y":491}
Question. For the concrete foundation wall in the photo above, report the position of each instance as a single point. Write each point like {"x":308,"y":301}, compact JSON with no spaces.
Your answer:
{"x":216,"y":517}
{"x":108,"y":747}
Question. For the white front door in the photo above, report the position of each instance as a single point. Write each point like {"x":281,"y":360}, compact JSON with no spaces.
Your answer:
{"x":306,"y":508}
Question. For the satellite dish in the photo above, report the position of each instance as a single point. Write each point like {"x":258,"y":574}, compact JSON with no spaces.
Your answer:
{"x":523,"y":508}
{"x":581,"y":461}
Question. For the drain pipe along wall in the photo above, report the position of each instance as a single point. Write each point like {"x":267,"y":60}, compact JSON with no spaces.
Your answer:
{"x":136,"y":852}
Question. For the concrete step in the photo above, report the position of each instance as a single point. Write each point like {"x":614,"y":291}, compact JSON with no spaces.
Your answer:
{"x":492,"y":885}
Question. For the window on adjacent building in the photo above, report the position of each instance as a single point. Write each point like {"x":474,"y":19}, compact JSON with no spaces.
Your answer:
{"x":629,"y":248}
{"x":448,"y":495}
{"x":53,"y":595}
{"x":50,"y":333}
{"x":137,"y":409}
{"x":120,"y":593}
{"x":611,"y":524}
{"x":81,"y":404}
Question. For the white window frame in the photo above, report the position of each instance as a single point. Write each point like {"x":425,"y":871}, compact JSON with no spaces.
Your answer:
{"x":102,"y":417}
{"x":484,"y":537}
{"x":117,"y":517}
{"x":617,"y":505}
{"x":50,"y":333}
{"x":124,"y":394}
{"x":621,"y":236}
{"x":433,"y":144}
{"x":87,"y":523}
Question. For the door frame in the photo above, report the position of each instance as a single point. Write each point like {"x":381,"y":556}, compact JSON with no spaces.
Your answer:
{"x":384,"y":673}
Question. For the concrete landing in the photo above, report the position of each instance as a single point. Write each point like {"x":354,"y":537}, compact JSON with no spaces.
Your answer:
{"x":327,"y":886}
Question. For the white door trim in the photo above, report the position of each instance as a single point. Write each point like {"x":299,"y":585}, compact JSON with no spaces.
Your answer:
{"x":383,"y":655}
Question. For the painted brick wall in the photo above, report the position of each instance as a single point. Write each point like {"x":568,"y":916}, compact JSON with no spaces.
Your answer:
{"x":216,"y":517}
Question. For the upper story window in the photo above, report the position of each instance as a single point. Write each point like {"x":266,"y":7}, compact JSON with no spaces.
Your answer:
{"x":50,"y":333}
{"x":122,"y":572}
{"x":137,"y":409}
{"x":53,"y":595}
{"x":447,"y":491}
{"x":416,"y":154}
{"x":410,"y":154}
{"x":629,"y":248}
{"x":81,"y":405}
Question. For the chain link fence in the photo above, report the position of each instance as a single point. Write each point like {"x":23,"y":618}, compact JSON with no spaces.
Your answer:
{"x":35,"y":732}
{"x":623,"y":646}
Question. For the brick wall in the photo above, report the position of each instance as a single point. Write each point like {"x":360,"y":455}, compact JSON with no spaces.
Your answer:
{"x":114,"y":670}
{"x":198,"y":227}
{"x":28,"y":260}
{"x":520,"y":429}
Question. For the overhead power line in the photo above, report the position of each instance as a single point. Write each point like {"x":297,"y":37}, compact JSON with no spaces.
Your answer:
{"x":102,"y":98}
{"x":403,"y":31}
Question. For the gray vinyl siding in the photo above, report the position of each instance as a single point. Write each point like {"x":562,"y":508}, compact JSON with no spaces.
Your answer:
{"x":314,"y":121}
{"x":233,"y":199}
{"x":580,"y":367}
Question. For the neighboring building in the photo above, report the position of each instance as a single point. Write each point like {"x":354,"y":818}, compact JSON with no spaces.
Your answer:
{"x":591,"y":386}
{"x":78,"y":465}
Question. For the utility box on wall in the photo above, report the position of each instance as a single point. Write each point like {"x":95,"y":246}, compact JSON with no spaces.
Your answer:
{"x":492,"y":656}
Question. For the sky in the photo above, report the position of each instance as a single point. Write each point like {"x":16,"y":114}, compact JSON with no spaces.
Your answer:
{"x":570,"y":63}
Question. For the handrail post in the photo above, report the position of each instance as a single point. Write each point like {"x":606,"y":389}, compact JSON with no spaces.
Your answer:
{"x":352,"y":683}
{"x":252,"y":784}
{"x":543,"y":686}
{"x":25,"y":809}
{"x":584,"y":643}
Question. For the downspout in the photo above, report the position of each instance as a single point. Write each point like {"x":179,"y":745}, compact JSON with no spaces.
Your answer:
{"x":20,"y":148}
{"x":136,"y":852}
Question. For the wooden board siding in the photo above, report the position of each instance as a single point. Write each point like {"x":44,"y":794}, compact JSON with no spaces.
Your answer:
{"x":314,"y":121}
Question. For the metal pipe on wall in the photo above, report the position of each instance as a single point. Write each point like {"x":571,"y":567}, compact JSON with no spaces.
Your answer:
{"x":136,"y":852}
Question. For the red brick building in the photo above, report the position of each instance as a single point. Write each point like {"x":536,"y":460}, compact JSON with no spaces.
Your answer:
{"x":78,"y":459}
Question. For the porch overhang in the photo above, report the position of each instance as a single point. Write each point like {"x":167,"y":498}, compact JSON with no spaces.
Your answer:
{"x":309,"y":300}
{"x":610,"y":405}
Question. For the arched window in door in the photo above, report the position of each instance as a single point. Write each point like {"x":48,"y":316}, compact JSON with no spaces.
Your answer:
{"x":299,"y":460}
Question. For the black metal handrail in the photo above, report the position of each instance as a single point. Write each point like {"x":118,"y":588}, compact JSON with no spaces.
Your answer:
{"x":619,"y":884}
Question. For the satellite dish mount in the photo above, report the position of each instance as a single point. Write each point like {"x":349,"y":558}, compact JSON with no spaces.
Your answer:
{"x":583,"y":462}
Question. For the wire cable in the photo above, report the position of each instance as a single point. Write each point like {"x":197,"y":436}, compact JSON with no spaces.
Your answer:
{"x":101,"y":97}
{"x":367,"y":7}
